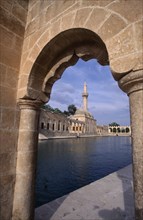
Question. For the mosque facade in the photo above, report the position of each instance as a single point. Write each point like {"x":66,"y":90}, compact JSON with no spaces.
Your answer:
{"x":82,"y":123}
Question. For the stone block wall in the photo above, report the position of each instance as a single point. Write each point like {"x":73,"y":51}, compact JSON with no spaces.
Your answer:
{"x":13,"y":15}
{"x":118,"y":23}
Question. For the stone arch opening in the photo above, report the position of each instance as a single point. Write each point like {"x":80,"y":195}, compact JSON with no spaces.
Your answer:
{"x":62,"y":51}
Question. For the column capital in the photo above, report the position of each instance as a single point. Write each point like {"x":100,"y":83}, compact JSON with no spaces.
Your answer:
{"x":131,"y":82}
{"x":29,"y":104}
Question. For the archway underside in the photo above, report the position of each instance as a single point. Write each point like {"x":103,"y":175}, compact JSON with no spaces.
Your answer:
{"x":61,"y":52}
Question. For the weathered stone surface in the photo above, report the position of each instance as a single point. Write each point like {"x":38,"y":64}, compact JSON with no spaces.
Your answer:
{"x":6,"y":186}
{"x":26,"y":162}
{"x":136,"y":103}
{"x":44,"y":39}
{"x":6,"y":4}
{"x":19,"y":12}
{"x":132,"y":62}
{"x":3,"y":70}
{"x":12,"y":78}
{"x":55,"y":29}
{"x":34,"y":12}
{"x":23,"y":80}
{"x":68,"y":20}
{"x":81,"y":16}
{"x":97,"y":18}
{"x":6,"y":37}
{"x":110,"y":27}
{"x":4,"y":212}
{"x":58,"y":8}
{"x":10,"y":57}
{"x":34,"y":53}
{"x":8,"y":118}
{"x":8,"y":141}
{"x":9,"y":160}
{"x":96,"y":2}
{"x":31,"y":27}
{"x":138,"y":35}
{"x":26,"y":67}
{"x":8,"y":97}
{"x":11,"y":39}
{"x":122,"y":44}
{"x":132,"y":12}
{"x":10,"y":22}
{"x":33,"y":38}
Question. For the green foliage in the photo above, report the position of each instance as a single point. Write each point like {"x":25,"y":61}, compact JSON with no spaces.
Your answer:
{"x":113,"y":124}
{"x":71,"y":109}
{"x":56,"y":110}
{"x":67,"y":113}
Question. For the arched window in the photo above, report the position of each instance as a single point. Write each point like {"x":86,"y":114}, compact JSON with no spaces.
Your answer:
{"x":48,"y":126}
{"x":58,"y":125}
{"x":42,"y":125}
{"x":118,"y":129}
{"x":127,"y":130}
{"x":63,"y":127}
{"x":53,"y":127}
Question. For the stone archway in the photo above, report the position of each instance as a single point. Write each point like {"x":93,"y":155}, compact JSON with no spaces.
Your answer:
{"x":62,"y":51}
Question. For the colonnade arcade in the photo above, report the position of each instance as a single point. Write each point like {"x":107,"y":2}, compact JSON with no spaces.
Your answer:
{"x":65,"y":49}
{"x":53,"y":125}
{"x":119,"y":129}
{"x":77,"y":127}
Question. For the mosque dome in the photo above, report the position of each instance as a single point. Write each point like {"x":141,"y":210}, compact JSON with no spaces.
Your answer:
{"x":82,"y":112}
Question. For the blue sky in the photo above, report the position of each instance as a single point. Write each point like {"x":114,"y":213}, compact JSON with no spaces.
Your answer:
{"x":106,"y":102}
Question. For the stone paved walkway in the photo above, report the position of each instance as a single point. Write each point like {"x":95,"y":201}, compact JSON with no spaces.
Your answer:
{"x":110,"y":198}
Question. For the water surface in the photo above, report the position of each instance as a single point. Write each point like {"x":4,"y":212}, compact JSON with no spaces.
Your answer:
{"x":65,"y":165}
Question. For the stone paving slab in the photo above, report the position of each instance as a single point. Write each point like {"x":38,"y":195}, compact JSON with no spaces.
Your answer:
{"x":110,"y":198}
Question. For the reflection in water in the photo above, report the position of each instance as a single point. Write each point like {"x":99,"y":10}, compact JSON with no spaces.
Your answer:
{"x":68,"y":164}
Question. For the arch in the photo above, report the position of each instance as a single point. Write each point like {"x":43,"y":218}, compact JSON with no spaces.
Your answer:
{"x":65,"y":49}
{"x":62,"y":51}
{"x":127,"y":129}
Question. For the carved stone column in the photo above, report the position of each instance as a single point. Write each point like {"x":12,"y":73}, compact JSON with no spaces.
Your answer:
{"x":132,"y":84}
{"x":23,"y":204}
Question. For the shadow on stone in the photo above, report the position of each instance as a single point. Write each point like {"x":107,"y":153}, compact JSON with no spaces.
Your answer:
{"x":127,"y":213}
{"x":45,"y":212}
{"x":139,"y":214}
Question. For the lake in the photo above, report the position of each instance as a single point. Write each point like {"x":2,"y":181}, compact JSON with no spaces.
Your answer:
{"x":64,"y":165}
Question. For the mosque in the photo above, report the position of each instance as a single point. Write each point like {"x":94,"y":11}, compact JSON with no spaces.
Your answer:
{"x":82,"y":123}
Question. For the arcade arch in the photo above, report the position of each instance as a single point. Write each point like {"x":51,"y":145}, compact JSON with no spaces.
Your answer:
{"x":62,"y":51}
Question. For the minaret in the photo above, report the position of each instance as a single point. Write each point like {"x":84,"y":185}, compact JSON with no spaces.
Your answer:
{"x":85,"y":96}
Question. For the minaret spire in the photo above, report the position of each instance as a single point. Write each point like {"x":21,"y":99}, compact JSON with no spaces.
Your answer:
{"x":85,"y":97}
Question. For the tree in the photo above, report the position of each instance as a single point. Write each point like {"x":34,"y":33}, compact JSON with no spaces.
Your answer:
{"x":66,"y":113}
{"x":114,"y":124}
{"x":48,"y":107}
{"x":71,"y":109}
